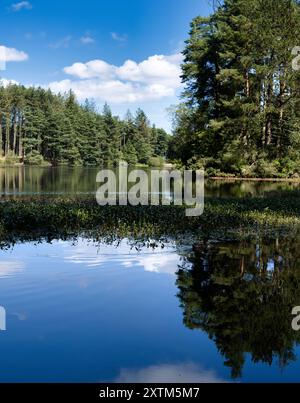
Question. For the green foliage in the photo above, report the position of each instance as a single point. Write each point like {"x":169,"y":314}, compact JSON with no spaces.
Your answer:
{"x":11,"y":159}
{"x":130,"y":154}
{"x":161,"y":141}
{"x":241,"y":112}
{"x":35,"y":122}
{"x":35,"y":158}
{"x":156,"y":162}
{"x":261,"y":168}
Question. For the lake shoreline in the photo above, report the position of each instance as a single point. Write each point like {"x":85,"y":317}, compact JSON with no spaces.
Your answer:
{"x":237,"y":179}
{"x":166,"y":166}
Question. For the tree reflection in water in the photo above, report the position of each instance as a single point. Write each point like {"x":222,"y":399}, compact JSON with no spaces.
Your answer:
{"x":242,"y":295}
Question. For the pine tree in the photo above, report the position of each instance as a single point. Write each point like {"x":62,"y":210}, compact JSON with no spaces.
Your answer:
{"x":37,"y":126}
{"x":241,"y":98}
{"x":142,"y":138}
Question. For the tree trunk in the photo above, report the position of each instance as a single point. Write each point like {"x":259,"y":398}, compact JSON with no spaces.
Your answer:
{"x":247,"y":84}
{"x":269,"y":117}
{"x":7,"y":134}
{"x":1,"y":139}
{"x":20,"y":152}
{"x":15,"y":135}
{"x":281,"y":112}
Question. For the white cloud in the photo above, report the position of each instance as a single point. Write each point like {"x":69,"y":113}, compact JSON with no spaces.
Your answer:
{"x":118,"y":37}
{"x":22,"y":5}
{"x":87,"y":40}
{"x":12,"y":55}
{"x":164,"y":70}
{"x":5,"y":83}
{"x":116,"y":92}
{"x":152,"y":79}
{"x":92,"y":69}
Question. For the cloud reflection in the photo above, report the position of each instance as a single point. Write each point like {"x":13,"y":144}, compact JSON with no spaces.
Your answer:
{"x":8,"y":269}
{"x":169,"y":373}
{"x":164,"y":261}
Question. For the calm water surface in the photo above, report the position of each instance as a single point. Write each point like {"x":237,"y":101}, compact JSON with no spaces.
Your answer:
{"x":80,"y":311}
{"x":22,"y":181}
{"x":86,"y":312}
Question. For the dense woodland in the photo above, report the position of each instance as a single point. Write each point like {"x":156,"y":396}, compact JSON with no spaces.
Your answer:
{"x":240,"y":113}
{"x":38,"y":127}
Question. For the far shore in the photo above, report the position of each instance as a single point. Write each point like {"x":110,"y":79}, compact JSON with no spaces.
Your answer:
{"x":168,"y":166}
{"x":237,"y":179}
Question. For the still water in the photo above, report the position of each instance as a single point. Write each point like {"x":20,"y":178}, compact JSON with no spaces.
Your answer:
{"x":28,"y":181}
{"x":80,"y":311}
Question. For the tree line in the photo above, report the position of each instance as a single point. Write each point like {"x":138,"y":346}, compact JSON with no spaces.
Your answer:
{"x":240,"y":113}
{"x":37,"y":126}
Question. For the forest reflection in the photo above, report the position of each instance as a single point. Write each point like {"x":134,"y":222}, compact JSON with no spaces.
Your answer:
{"x":242,"y":295}
{"x":31,"y":180}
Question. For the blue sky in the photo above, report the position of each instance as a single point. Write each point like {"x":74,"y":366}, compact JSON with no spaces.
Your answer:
{"x":124,"y":51}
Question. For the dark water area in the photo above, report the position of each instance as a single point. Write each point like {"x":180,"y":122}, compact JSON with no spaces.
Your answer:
{"x":80,"y":311}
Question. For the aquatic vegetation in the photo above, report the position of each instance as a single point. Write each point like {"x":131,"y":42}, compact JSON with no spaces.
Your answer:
{"x":223,"y":218}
